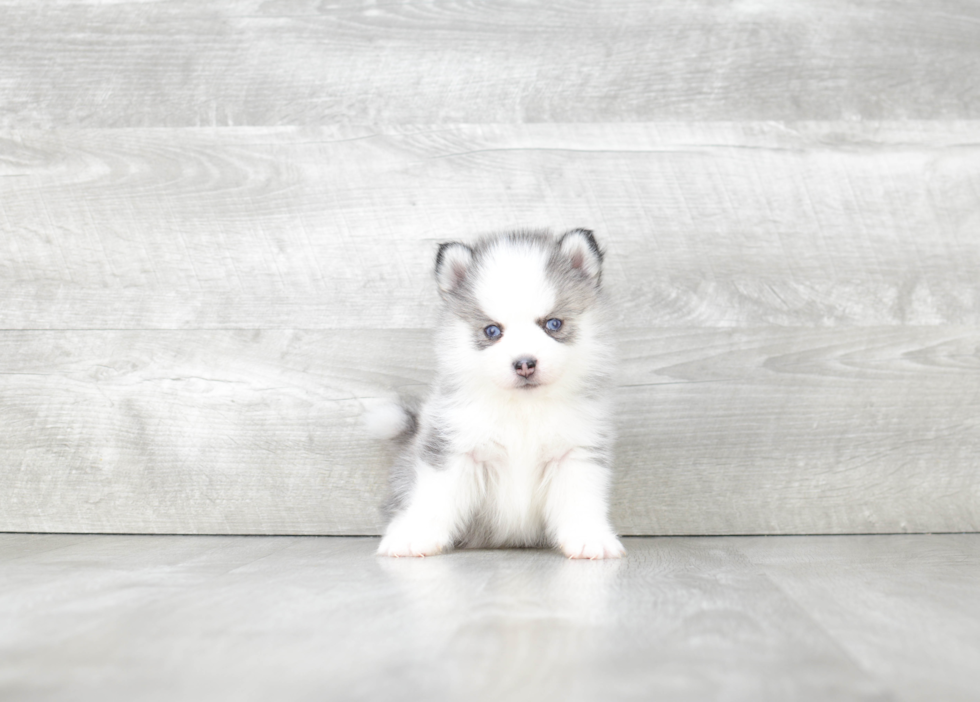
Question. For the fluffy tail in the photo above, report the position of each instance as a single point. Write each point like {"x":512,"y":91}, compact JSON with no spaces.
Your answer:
{"x":391,"y":420}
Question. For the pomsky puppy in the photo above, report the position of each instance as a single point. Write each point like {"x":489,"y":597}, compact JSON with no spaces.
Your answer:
{"x":514,"y":445}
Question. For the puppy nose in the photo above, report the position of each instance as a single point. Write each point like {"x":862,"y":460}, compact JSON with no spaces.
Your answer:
{"x":525,"y":366}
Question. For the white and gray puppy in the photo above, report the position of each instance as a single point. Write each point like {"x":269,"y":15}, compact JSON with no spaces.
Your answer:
{"x":513,"y":447}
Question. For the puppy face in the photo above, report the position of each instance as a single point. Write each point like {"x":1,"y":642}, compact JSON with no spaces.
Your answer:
{"x":521,"y":308}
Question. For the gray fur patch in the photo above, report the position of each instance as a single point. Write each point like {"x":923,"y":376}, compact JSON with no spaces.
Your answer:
{"x":411,"y":410}
{"x":575,"y":291}
{"x":401,"y":481}
{"x":427,"y":444}
{"x":602,"y":452}
{"x":433,"y":448}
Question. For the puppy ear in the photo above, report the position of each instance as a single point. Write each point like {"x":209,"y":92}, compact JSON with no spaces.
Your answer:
{"x":452,"y":264}
{"x":580,"y":247}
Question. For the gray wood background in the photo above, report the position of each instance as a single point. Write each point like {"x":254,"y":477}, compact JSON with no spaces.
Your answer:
{"x":217,"y":223}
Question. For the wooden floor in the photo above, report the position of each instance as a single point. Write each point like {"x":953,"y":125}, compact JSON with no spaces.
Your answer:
{"x":838,"y":618}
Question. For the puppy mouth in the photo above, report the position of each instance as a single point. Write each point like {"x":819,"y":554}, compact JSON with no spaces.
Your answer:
{"x":527,"y":383}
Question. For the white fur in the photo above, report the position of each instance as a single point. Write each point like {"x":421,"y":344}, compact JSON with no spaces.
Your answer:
{"x":522,"y":461}
{"x":385,"y":419}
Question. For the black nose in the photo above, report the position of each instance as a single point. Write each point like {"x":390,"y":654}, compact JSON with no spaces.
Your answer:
{"x":525,"y":366}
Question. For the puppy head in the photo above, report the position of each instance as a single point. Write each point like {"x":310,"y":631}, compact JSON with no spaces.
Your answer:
{"x":522,"y":309}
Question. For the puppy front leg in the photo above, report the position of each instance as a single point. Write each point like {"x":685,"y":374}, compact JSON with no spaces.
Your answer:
{"x":439,"y":506}
{"x":577,"y":509}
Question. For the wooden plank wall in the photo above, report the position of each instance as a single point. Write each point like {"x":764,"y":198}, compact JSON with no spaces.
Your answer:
{"x":218,"y":221}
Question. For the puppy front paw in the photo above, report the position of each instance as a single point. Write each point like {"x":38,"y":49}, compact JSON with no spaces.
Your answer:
{"x":413,"y":542}
{"x":592,"y":546}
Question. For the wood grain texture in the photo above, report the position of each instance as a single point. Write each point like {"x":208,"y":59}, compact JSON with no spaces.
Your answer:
{"x":218,"y":222}
{"x":232,"y":63}
{"x":863,"y":430}
{"x":721,"y":225}
{"x":877,"y":600}
{"x":741,"y":619}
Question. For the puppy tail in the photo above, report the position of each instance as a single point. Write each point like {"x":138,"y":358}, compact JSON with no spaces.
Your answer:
{"x":391,"y":420}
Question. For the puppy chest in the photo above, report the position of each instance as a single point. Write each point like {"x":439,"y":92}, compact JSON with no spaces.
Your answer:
{"x":514,"y":480}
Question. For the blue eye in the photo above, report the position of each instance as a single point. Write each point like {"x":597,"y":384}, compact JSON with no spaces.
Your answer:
{"x":553,"y":325}
{"x":492,"y":331}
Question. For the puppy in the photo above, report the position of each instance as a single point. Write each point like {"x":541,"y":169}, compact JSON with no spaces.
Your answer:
{"x":514,"y":445}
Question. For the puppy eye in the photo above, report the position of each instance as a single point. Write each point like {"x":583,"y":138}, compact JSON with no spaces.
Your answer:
{"x":492,"y":331}
{"x":553,"y":325}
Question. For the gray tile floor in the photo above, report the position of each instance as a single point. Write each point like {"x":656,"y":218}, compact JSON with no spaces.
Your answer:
{"x":318,"y":618}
